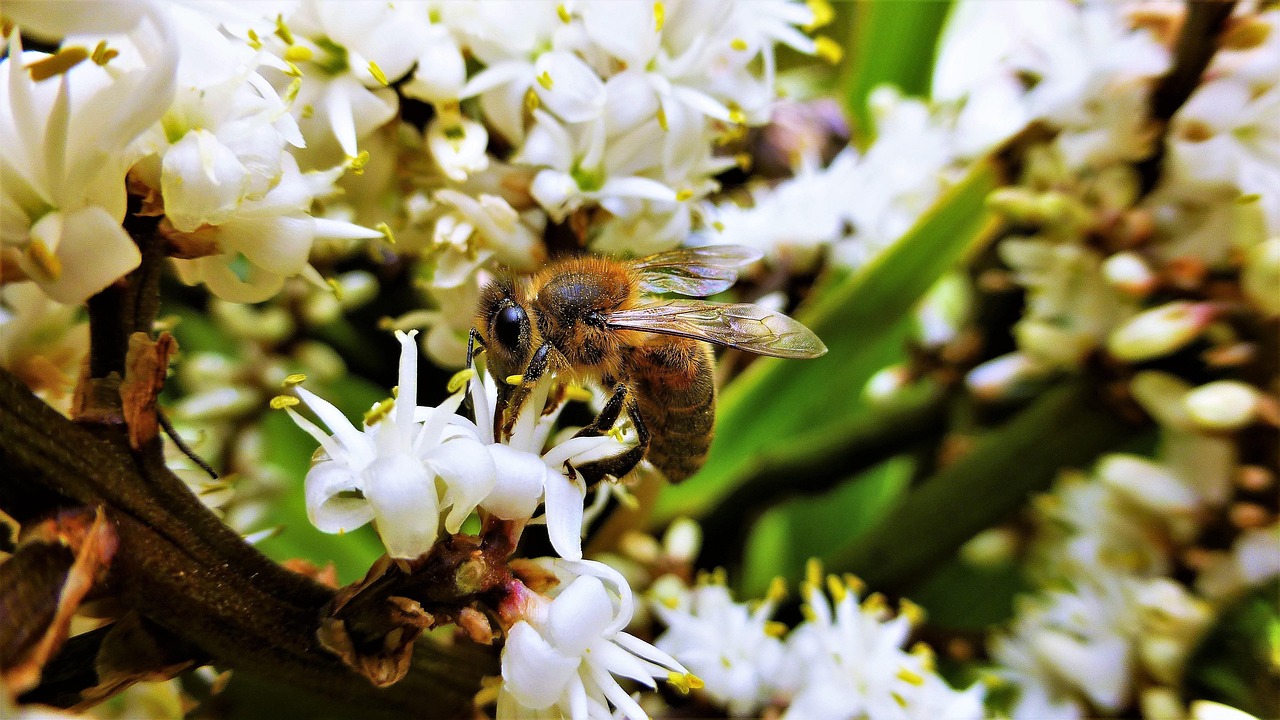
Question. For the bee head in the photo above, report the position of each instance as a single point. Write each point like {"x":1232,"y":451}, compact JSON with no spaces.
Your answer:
{"x":570,"y":311}
{"x":504,"y":324}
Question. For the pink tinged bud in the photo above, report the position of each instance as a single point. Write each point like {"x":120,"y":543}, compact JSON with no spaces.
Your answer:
{"x":1160,"y":331}
{"x":886,"y":384}
{"x":1222,"y":405}
{"x":1129,"y":273}
{"x":1002,"y":377}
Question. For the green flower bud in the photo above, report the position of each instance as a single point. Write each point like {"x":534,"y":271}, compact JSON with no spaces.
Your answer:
{"x":1159,"y":331}
{"x":1222,"y":405}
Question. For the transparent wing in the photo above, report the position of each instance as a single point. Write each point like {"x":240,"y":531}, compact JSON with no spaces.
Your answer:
{"x":696,"y":272}
{"x":736,"y":325}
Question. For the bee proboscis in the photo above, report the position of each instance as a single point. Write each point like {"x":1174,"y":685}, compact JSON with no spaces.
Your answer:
{"x":599,"y":320}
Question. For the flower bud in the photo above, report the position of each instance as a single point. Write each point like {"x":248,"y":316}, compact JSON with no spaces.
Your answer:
{"x":1129,"y":273}
{"x":683,"y":540}
{"x":1014,"y":202}
{"x":320,"y":360}
{"x":1209,"y":710}
{"x":1159,"y":331}
{"x":320,"y":308}
{"x":991,"y":548}
{"x":1147,"y":483}
{"x":1053,"y":344}
{"x":885,"y":385}
{"x":358,"y":288}
{"x":1222,"y":405}
{"x":202,"y":369}
{"x":1161,"y":703}
{"x":1005,"y":377}
{"x":224,"y":403}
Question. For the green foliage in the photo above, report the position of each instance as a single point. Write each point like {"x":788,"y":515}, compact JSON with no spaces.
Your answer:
{"x":864,"y":319}
{"x":895,"y":43}
{"x":1066,"y":427}
{"x":1238,"y":661}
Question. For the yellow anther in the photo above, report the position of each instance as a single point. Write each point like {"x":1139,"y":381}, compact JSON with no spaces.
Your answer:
{"x":292,"y":70}
{"x":928,"y":660}
{"x":913,"y":612}
{"x":57,"y":63}
{"x":563,"y":12}
{"x":836,"y":588}
{"x":910,"y":677}
{"x":777,"y":589}
{"x":694,"y":681}
{"x":775,"y":629}
{"x":545,"y":80}
{"x":281,"y":402}
{"x":662,"y":119}
{"x":358,"y":162}
{"x":514,"y":379}
{"x":854,"y":583}
{"x":813,"y":572}
{"x":291,"y":94}
{"x":679,"y":681}
{"x":102,"y":54}
{"x":875,"y":603}
{"x":460,"y":380}
{"x":293,"y":379}
{"x":683,"y":195}
{"x":823,"y":14}
{"x":298,"y":53}
{"x":898,"y":699}
{"x":308,"y":111}
{"x":744,"y":160}
{"x":577,"y":392}
{"x":809,"y":614}
{"x":719,"y":576}
{"x":614,"y":432}
{"x":335,"y":286}
{"x":670,"y":602}
{"x":282,"y":30}
{"x":377,"y":74}
{"x":395,"y":392}
{"x":828,"y":49}
{"x":736,"y":116}
{"x":378,"y":412}
{"x":43,"y":258}
{"x":385,"y":229}
{"x":738,"y":44}
{"x":719,"y":226}
{"x":255,"y":42}
{"x":659,"y":16}
{"x":531,"y":101}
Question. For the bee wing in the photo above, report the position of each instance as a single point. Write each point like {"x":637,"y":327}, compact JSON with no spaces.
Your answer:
{"x":736,"y":325}
{"x":697,"y":271}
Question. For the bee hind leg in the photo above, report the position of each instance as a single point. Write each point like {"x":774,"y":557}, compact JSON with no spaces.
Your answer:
{"x":621,"y":464}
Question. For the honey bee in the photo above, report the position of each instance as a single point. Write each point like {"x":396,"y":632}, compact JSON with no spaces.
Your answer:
{"x":597,"y":320}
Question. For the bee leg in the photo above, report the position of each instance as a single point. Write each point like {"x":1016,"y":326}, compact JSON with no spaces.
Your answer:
{"x":510,"y":403}
{"x":619,"y":465}
{"x":473,"y":339}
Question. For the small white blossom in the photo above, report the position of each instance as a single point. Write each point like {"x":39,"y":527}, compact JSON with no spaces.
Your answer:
{"x":405,"y":468}
{"x":562,"y":656}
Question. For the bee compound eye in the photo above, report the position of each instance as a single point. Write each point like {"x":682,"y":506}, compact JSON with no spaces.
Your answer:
{"x":508,"y":324}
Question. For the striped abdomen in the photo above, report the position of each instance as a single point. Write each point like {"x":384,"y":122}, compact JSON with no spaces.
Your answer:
{"x":675,"y":391}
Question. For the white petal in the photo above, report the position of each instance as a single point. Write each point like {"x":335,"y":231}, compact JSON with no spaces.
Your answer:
{"x":202,"y":181}
{"x":564,"y":500}
{"x":533,"y":671}
{"x":325,"y":509}
{"x":626,"y":29}
{"x":579,"y":615}
{"x":469,"y":476}
{"x":519,"y":483}
{"x":405,"y":503}
{"x":612,"y":690}
{"x":576,"y":93}
{"x":93,"y":249}
{"x":620,"y":662}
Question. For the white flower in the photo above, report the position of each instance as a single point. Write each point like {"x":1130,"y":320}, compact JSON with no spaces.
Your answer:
{"x":527,"y":476}
{"x":846,"y":661}
{"x":64,"y":152}
{"x":733,"y":648}
{"x":269,"y":239}
{"x":407,"y":466}
{"x":458,"y":146}
{"x":563,"y":655}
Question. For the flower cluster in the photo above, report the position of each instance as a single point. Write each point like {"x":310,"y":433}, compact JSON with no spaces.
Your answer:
{"x":846,"y":660}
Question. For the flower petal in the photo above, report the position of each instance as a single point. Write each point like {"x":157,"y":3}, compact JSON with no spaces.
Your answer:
{"x":564,"y":500}
{"x":327,"y":508}
{"x":533,"y":671}
{"x":579,"y":615}
{"x":405,"y":504}
{"x":518,"y":486}
{"x":469,"y":476}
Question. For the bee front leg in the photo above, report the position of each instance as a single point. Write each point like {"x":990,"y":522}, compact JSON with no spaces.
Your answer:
{"x":619,"y":465}
{"x":473,"y":339}
{"x":511,"y":402}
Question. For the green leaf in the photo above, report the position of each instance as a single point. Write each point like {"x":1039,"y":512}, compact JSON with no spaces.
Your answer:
{"x":892,"y":42}
{"x":864,"y":319}
{"x":962,"y":597}
{"x":1238,"y":661}
{"x":1066,"y":427}
{"x":786,"y":537}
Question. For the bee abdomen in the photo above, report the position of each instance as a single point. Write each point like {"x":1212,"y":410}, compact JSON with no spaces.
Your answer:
{"x":677,"y":398}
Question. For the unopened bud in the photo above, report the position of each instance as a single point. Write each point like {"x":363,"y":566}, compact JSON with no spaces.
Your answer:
{"x":1003,"y":378}
{"x":991,"y":548}
{"x":885,"y":385}
{"x":683,"y":540}
{"x":1161,"y":703}
{"x":1159,"y":331}
{"x":223,"y":403}
{"x":321,"y":308}
{"x":320,"y":360}
{"x":1013,"y":202}
{"x":1209,"y":710}
{"x":1260,"y":277}
{"x":1222,"y":405}
{"x":1053,"y":344}
{"x":1129,"y":273}
{"x":359,"y":287}
{"x":202,"y":369}
{"x":1147,"y":483}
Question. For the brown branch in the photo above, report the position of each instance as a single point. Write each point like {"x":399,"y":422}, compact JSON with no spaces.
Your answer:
{"x":185,"y":571}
